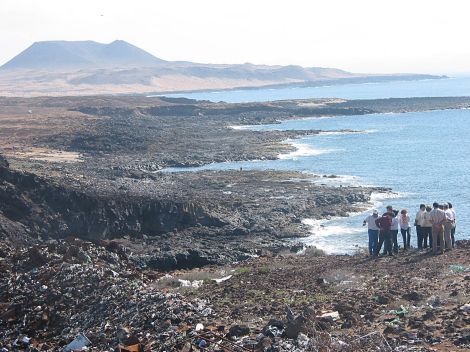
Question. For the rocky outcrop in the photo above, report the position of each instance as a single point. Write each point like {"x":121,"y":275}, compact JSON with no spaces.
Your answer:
{"x":3,"y":162}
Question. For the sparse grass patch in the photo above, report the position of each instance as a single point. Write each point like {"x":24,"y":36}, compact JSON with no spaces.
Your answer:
{"x":243,"y":270}
{"x":167,"y":282}
{"x":198,"y":275}
{"x":264,"y":270}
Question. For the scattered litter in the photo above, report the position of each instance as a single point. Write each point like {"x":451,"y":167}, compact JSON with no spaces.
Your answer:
{"x":402,"y":312}
{"x":189,"y":283}
{"x":223,"y":279}
{"x":77,"y":344}
{"x":332,"y":315}
{"x":465,"y":308}
{"x":457,"y":268}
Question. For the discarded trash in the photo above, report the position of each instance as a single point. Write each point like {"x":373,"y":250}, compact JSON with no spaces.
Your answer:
{"x":332,"y":315}
{"x":132,"y":348}
{"x":199,"y":327}
{"x":402,"y":312}
{"x":457,"y":268}
{"x":302,"y":340}
{"x":222,"y":279}
{"x":193,"y":284}
{"x":394,"y":321}
{"x":202,"y":343}
{"x":206,"y":311}
{"x":120,"y":302}
{"x":77,"y":344}
{"x":273,"y":331}
{"x":130,"y":344}
{"x":24,"y":341}
{"x":465,"y":308}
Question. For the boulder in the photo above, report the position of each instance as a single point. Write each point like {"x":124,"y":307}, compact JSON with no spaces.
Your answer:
{"x":383,"y":299}
{"x":238,"y":330}
{"x":413,"y":296}
{"x":295,"y":327}
{"x":263,"y":344}
{"x":4,"y":162}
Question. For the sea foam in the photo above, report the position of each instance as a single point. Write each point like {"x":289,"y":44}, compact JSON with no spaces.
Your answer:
{"x":303,"y":150}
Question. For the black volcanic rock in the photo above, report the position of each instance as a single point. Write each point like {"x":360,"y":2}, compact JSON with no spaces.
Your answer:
{"x":81,"y":54}
{"x":3,"y":162}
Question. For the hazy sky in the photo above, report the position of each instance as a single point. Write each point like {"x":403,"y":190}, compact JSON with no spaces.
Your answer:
{"x":357,"y":35}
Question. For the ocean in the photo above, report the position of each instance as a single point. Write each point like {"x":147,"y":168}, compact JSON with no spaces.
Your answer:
{"x":422,"y":156}
{"x":450,"y":87}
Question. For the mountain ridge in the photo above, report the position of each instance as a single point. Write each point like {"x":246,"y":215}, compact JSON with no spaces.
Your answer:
{"x":61,"y":54}
{"x":88,"y":67}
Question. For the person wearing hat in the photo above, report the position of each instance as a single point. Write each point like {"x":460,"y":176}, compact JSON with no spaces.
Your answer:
{"x":372,"y":230}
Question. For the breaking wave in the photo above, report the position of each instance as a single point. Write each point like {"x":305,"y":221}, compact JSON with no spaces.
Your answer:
{"x":303,"y":150}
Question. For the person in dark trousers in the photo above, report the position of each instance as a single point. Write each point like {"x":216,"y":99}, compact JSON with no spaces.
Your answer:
{"x":389,"y":210}
{"x":419,"y":223}
{"x":384,"y":223}
{"x":372,"y":230}
{"x":404,"y":221}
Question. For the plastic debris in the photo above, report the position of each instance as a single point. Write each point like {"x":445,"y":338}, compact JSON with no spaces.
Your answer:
{"x":457,"y":268}
{"x":193,"y":284}
{"x":77,"y":344}
{"x":222,"y":279}
{"x":332,"y":315}
{"x":465,"y":308}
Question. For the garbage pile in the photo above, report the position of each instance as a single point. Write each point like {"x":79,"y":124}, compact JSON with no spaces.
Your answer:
{"x":303,"y":332}
{"x":73,"y":295}
{"x":88,"y":295}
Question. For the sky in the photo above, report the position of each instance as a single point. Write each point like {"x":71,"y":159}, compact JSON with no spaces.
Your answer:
{"x":373,"y":36}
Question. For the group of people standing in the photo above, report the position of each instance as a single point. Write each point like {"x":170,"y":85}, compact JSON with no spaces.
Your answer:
{"x":436,"y":225}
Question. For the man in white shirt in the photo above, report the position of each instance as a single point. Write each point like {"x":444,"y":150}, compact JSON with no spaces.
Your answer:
{"x":372,"y":230}
{"x":452,"y":232}
{"x":448,"y":223}
{"x":438,"y":217}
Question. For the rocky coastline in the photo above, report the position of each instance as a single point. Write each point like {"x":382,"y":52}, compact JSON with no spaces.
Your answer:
{"x":82,"y":193}
{"x":89,"y":167}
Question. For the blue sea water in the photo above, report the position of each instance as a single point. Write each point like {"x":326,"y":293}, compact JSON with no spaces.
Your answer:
{"x":398,"y":89}
{"x":422,"y":156}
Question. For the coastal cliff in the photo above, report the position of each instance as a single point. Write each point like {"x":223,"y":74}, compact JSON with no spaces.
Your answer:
{"x":47,"y":210}
{"x":226,"y":217}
